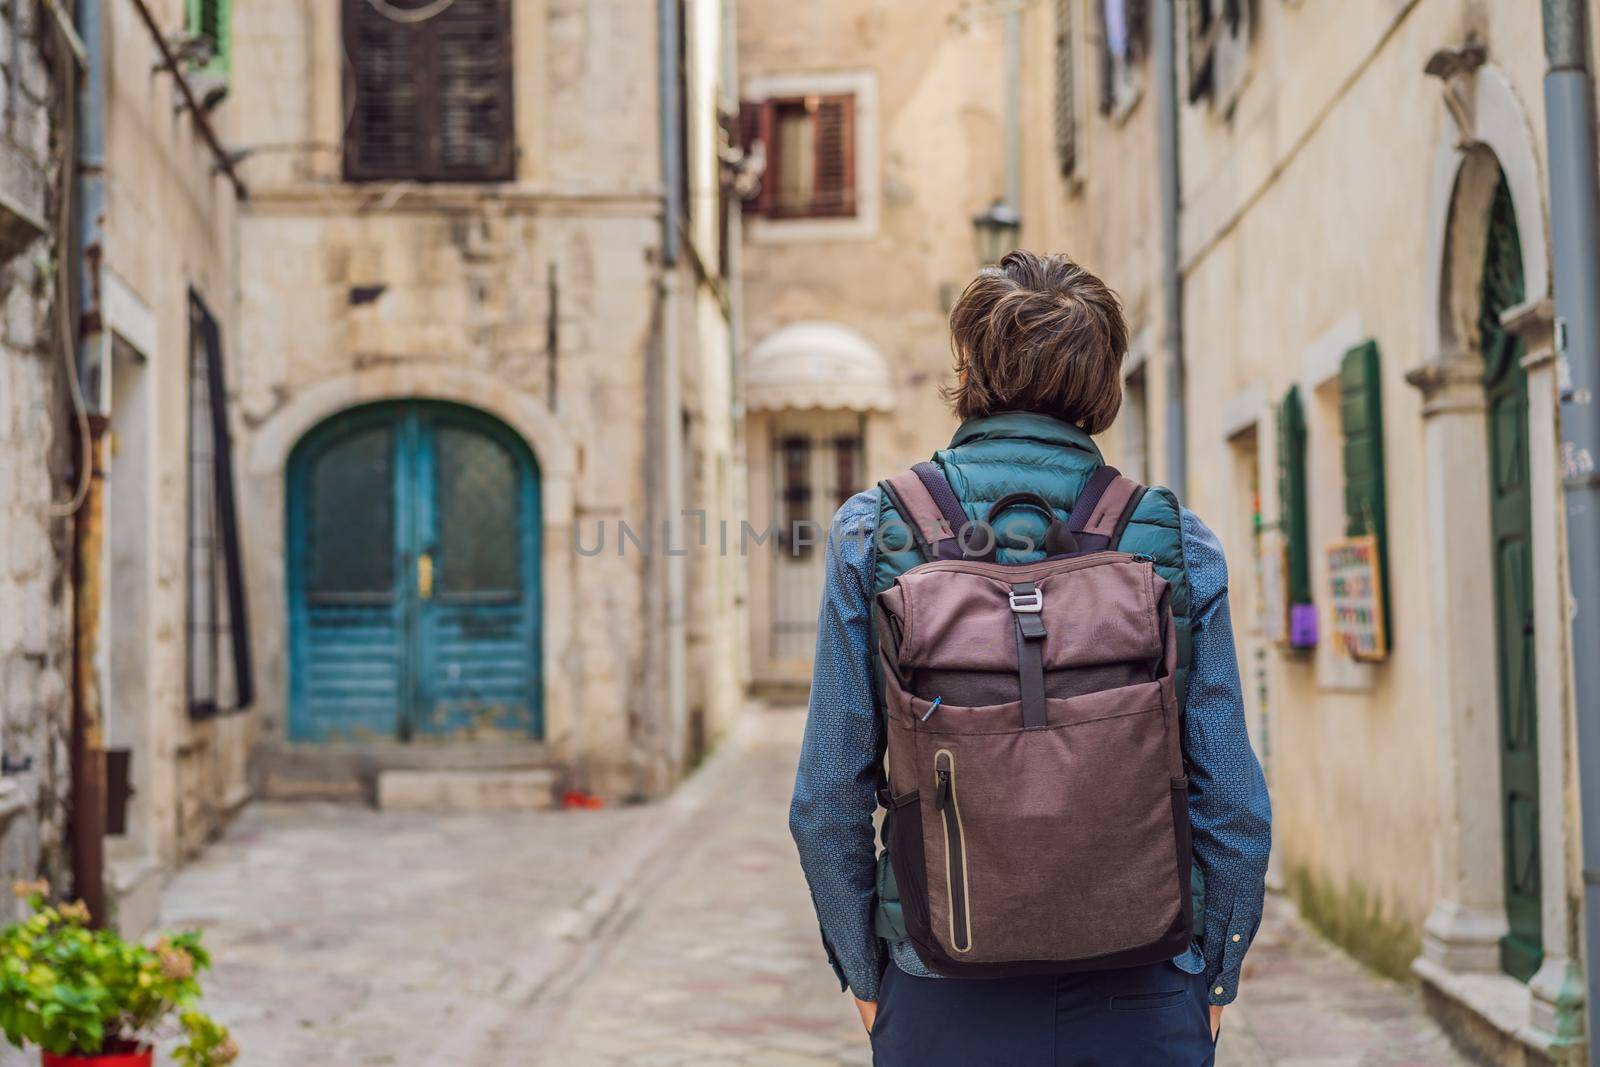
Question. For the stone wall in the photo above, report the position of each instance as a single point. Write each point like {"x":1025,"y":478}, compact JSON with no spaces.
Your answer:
{"x":35,"y":448}
{"x":1329,"y":197}
{"x":358,"y":292}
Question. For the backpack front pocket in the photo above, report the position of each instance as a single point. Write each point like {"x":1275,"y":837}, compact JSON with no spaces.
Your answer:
{"x":947,"y":803}
{"x":1057,"y":843}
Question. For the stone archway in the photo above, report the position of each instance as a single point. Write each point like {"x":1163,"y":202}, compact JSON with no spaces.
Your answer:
{"x":1460,"y":964}
{"x":265,"y":451}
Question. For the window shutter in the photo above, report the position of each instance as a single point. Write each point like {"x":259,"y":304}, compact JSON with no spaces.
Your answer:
{"x":1136,"y":13}
{"x":835,"y":126}
{"x":760,"y":122}
{"x":472,"y":63}
{"x":1293,"y":516}
{"x":1066,"y":115}
{"x":1361,"y":422}
{"x":1203,"y":25}
{"x":210,"y":19}
{"x":430,"y":100}
{"x":383,"y":138}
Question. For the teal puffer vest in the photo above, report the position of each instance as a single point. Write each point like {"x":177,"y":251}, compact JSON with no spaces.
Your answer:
{"x":1017,"y":452}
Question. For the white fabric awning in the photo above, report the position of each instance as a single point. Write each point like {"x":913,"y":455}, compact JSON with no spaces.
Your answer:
{"x":817,"y":365}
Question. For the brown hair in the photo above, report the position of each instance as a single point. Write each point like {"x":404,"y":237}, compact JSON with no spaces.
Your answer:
{"x":1038,"y":333}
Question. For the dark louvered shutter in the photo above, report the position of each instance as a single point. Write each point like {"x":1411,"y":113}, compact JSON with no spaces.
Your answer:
{"x":1293,"y":515}
{"x":758,"y":124}
{"x":473,"y":64}
{"x":1361,"y":422}
{"x":1136,"y":16}
{"x":1066,"y":100}
{"x":384,"y":135}
{"x":835,"y":125}
{"x":430,"y":100}
{"x":1203,"y":23}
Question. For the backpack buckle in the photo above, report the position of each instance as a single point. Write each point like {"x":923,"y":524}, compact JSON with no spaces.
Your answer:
{"x":1030,"y":603}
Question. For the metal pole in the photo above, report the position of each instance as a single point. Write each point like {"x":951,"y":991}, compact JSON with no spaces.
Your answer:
{"x":1166,"y":29}
{"x":666,"y":543}
{"x":87,"y":750}
{"x":1575,"y":227}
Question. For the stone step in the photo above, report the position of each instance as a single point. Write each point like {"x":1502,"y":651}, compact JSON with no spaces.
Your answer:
{"x":350,"y":772}
{"x":466,"y":790}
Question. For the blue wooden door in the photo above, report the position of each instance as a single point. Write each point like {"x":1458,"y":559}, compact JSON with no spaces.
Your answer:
{"x":413,"y":577}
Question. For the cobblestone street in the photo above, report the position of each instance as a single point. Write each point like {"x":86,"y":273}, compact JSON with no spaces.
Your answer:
{"x":675,"y":934}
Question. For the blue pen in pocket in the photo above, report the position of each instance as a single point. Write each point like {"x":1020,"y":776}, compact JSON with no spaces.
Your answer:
{"x":932,"y":708}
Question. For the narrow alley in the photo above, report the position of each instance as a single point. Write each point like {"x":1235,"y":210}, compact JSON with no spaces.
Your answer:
{"x":678,"y":933}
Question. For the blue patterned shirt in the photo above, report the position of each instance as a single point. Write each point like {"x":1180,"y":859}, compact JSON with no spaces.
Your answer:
{"x":831,"y":816}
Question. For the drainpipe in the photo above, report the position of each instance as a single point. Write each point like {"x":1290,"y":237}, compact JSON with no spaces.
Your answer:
{"x":667,"y":532}
{"x":90,"y":195}
{"x":1575,"y":227}
{"x":1166,"y":28}
{"x":86,"y":750}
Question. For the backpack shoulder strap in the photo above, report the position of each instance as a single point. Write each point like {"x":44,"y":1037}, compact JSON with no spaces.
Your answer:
{"x":924,"y":499}
{"x":1103,"y":509}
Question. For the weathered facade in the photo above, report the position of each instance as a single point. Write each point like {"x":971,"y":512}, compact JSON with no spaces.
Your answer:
{"x":156,"y":232}
{"x":484,"y":358}
{"x":35,"y":462}
{"x":1364,"y":263}
{"x":880,"y":129}
{"x":118,"y":228}
{"x":1363,"y":284}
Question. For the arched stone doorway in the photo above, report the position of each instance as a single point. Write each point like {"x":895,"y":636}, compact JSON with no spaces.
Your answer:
{"x":414,"y":595}
{"x":1498,"y":942}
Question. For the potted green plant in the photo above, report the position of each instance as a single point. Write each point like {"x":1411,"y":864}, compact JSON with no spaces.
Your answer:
{"x":89,"y":998}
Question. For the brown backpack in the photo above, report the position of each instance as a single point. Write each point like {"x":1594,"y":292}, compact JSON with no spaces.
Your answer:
{"x":1039,"y":808}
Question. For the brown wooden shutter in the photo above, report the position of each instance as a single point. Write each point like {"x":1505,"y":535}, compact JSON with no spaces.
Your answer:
{"x":472,"y":63}
{"x":749,"y":133}
{"x":383,"y":138}
{"x":766,"y":131}
{"x":834,"y":122}
{"x":430,"y":100}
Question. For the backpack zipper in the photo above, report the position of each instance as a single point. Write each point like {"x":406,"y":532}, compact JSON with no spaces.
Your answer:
{"x":955,"y":851}
{"x":1012,"y":572}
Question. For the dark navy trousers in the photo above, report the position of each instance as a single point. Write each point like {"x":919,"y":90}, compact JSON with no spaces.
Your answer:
{"x":1153,"y":1016}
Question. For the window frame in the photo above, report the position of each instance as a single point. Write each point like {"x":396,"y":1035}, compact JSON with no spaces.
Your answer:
{"x":766,"y":119}
{"x":221,"y":60}
{"x":1066,"y":91}
{"x":1122,"y":76}
{"x":205,"y":345}
{"x":1214,"y":48}
{"x":429,"y":166}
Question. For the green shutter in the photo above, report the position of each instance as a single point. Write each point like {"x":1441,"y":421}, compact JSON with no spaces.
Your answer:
{"x":1361,"y":421}
{"x":1293,"y":517}
{"x":211,"y":19}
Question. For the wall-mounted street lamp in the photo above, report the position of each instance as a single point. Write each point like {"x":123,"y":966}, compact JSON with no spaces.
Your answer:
{"x":995,"y":230}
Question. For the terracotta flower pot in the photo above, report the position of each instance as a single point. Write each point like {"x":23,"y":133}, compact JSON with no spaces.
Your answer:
{"x":109,"y":1059}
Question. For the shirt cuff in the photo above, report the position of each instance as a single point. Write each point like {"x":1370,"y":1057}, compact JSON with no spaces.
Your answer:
{"x":1222,"y":984}
{"x":865,"y":984}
